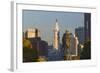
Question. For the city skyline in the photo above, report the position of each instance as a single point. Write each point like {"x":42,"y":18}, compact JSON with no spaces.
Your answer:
{"x":46,"y":20}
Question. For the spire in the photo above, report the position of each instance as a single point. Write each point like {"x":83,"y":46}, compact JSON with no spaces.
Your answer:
{"x":56,"y":26}
{"x":56,"y":20}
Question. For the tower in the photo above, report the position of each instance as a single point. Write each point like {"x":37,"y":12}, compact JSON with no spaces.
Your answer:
{"x":56,"y":36}
{"x":87,"y":26}
{"x":32,"y":33}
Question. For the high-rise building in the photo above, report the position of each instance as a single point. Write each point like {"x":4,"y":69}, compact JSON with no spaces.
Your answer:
{"x":87,"y":26}
{"x":32,"y":33}
{"x":80,"y":34}
{"x":56,"y":36}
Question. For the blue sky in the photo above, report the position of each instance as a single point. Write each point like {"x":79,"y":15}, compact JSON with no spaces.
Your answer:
{"x":45,"y":22}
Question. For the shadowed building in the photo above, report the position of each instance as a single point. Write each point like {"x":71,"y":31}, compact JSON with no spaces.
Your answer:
{"x":86,"y":53}
{"x":87,"y":24}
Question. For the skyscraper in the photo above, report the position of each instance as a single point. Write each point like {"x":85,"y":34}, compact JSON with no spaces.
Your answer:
{"x":87,"y":24}
{"x":56,"y":36}
{"x":80,"y":34}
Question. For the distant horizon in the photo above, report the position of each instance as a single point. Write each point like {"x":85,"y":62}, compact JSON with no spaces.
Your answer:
{"x":45,"y":22}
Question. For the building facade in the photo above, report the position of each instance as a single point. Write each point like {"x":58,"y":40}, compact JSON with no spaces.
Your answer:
{"x":32,"y":33}
{"x":80,"y":34}
{"x":56,"y":36}
{"x":87,"y":24}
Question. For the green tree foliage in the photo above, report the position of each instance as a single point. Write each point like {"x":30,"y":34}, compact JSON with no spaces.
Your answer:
{"x":29,"y":53}
{"x":86,"y":53}
{"x":26,"y":43}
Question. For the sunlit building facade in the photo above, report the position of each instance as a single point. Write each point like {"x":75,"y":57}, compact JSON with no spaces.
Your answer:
{"x":56,"y":36}
{"x":32,"y":33}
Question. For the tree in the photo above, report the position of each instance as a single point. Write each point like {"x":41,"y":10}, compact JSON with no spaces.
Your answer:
{"x":29,"y":54}
{"x":26,"y":43}
{"x":86,"y":54}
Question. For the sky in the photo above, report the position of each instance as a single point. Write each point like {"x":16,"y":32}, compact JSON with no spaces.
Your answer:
{"x":45,"y":22}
